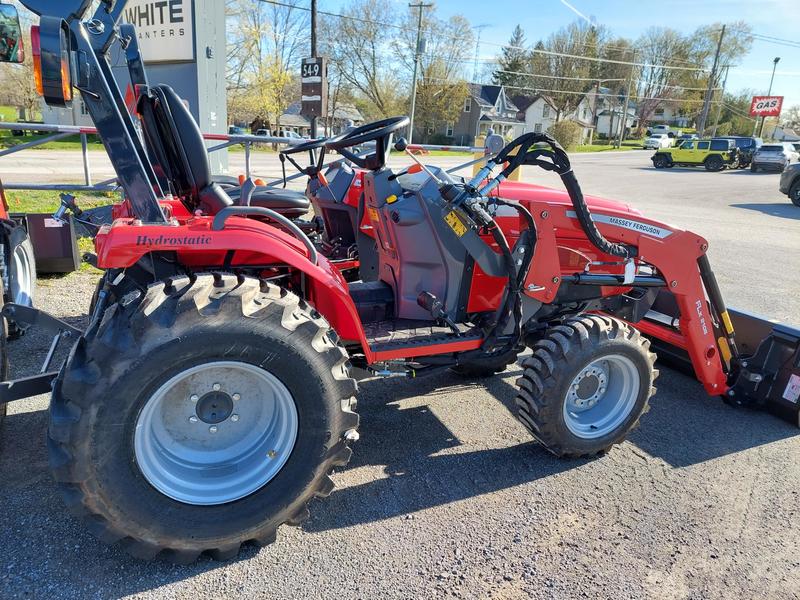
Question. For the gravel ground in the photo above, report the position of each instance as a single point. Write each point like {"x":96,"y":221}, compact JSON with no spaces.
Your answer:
{"x":446,"y":496}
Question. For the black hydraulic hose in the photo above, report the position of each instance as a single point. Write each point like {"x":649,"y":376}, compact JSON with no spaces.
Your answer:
{"x":530,"y":152}
{"x":585,"y":218}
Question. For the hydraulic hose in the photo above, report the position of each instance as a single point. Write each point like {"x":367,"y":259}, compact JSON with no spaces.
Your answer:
{"x":585,"y":218}
{"x":555,"y":159}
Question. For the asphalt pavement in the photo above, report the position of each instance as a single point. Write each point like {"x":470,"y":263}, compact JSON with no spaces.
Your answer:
{"x":447,"y":496}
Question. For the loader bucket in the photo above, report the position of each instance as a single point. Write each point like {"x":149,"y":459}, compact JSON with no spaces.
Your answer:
{"x":768,"y":371}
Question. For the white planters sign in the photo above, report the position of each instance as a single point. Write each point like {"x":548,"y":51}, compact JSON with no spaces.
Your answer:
{"x":164,"y":27}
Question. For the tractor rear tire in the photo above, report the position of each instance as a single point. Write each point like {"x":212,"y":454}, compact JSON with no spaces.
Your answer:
{"x":150,"y":453}
{"x":585,"y":386}
{"x":794,"y":193}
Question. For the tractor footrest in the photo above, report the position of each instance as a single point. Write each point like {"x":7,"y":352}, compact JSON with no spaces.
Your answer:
{"x":416,"y":342}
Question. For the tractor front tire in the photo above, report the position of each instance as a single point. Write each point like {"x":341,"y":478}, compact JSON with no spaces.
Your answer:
{"x":198,"y":415}
{"x":585,"y":386}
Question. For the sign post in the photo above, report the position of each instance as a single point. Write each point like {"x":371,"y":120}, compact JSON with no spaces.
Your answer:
{"x":314,"y":87}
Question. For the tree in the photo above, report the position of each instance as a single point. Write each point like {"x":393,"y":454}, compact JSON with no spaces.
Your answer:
{"x":791,"y":116}
{"x":266,"y":42}
{"x":359,"y":54}
{"x":562,"y":66}
{"x":513,"y":60}
{"x":667,"y":69}
{"x":441,"y":86}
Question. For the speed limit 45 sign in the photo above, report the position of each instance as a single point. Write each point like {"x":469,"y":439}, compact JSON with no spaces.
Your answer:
{"x":766,"y":106}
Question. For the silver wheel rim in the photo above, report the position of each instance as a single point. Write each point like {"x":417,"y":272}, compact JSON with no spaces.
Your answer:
{"x":215,"y":433}
{"x":601,"y":396}
{"x":21,"y":280}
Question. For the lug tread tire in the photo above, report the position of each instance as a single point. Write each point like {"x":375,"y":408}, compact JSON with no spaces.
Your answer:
{"x":127,"y":331}
{"x":555,"y":360}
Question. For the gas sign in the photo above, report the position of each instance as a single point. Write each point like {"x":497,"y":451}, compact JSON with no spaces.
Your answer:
{"x":766,"y":106}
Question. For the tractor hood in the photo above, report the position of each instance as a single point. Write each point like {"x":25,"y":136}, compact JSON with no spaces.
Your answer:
{"x":514,"y":190}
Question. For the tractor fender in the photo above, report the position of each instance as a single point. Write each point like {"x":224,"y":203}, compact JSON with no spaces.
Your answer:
{"x":243,"y":242}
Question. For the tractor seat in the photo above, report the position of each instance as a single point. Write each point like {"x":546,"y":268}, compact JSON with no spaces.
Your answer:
{"x":289,"y":203}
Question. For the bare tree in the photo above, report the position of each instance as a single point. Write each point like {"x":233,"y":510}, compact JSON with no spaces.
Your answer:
{"x":441,"y":87}
{"x":360,"y":54}
{"x":266,"y":42}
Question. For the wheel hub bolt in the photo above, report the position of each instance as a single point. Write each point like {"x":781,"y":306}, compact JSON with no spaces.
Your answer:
{"x":216,"y":387}
{"x":192,"y":419}
{"x":234,"y":418}
{"x":194,"y":397}
{"x":236,"y":397}
{"x":212,"y":429}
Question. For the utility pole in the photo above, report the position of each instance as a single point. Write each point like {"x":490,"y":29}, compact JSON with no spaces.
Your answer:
{"x":313,"y":54}
{"x":624,"y":116}
{"x":721,"y":100}
{"x":480,"y":29}
{"x":775,"y":62}
{"x":420,"y":6}
{"x":710,"y":90}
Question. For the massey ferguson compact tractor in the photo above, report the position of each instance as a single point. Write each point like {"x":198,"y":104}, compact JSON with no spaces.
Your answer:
{"x":213,"y":392}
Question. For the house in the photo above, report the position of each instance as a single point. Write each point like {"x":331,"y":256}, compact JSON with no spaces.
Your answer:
{"x":608,"y":121}
{"x":670,"y":114}
{"x":344,"y":116}
{"x":539,"y":114}
{"x":781,"y":133}
{"x":486,"y":107}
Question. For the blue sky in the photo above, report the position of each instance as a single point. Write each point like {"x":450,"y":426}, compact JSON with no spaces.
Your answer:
{"x":776,"y":18}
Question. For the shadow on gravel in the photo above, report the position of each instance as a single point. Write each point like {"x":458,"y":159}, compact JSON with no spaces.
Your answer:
{"x":785,"y":210}
{"x":683,"y":427}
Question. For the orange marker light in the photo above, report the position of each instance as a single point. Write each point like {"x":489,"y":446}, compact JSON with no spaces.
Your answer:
{"x":36,"y":52}
{"x":322,"y":179}
{"x":415,"y":168}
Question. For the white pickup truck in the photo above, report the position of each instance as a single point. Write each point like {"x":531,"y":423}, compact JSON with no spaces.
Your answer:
{"x":654,"y":129}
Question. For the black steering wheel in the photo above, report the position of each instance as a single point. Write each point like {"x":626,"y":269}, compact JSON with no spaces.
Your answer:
{"x":379,"y":132}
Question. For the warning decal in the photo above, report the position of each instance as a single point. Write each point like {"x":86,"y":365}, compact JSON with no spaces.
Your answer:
{"x":792,"y":391}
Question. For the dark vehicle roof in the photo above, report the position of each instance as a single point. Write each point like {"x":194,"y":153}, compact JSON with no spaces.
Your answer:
{"x":742,"y":141}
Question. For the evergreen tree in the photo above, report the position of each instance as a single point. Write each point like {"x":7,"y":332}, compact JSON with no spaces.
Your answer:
{"x":512,"y":61}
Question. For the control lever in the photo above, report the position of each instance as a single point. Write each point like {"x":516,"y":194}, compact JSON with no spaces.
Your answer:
{"x":67,"y":204}
{"x":434,"y":306}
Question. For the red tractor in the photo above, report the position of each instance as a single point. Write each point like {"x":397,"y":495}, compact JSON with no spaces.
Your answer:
{"x":214,"y":390}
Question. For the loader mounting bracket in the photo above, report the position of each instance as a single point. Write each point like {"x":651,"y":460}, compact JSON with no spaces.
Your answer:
{"x":26,"y":316}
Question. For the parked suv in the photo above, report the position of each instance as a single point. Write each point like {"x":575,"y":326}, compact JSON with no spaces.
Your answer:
{"x":747,"y":147}
{"x":790,"y":183}
{"x":714,"y":154}
{"x":775,"y":157}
